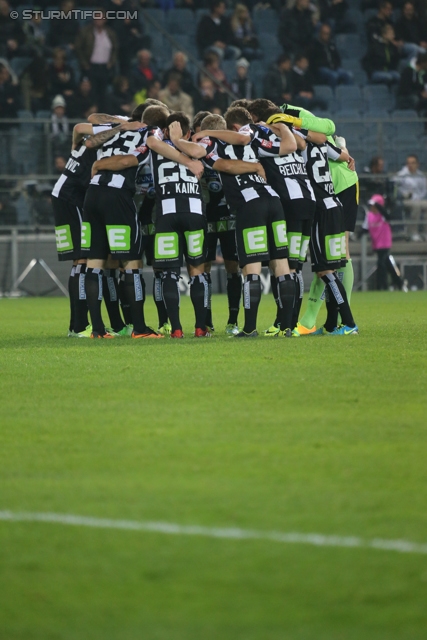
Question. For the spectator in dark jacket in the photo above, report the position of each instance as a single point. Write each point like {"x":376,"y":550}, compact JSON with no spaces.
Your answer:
{"x":130,"y":38}
{"x":96,"y":49}
{"x":334,"y":13}
{"x":382,"y":59}
{"x":179,"y":65}
{"x":296,"y":29}
{"x":326,"y":62}
{"x":214,"y":32}
{"x":144,"y":72}
{"x":63,"y":33}
{"x":121,"y":99}
{"x":9,"y":95}
{"x":209,"y":99}
{"x":278,"y":81}
{"x":243,"y":32}
{"x":376,"y":23}
{"x":83,"y":103}
{"x":411,"y":93}
{"x":302,"y":82}
{"x":60,"y":75}
{"x":411,"y":31}
{"x":241,"y":85}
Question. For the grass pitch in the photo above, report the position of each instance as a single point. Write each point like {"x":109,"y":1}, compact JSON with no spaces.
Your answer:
{"x":324,"y":435}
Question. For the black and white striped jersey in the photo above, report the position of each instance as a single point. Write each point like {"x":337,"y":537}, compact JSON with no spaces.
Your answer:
{"x":125,"y":143}
{"x":74,"y":181}
{"x":286,"y":174}
{"x":242,"y":188}
{"x":177,"y":189}
{"x":316,"y":159}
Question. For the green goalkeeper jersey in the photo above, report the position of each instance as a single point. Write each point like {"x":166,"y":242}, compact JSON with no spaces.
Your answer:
{"x":342,"y":176}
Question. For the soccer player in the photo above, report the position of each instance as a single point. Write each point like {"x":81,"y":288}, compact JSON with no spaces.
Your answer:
{"x":288,"y":177}
{"x":110,"y":219}
{"x":260,"y":225}
{"x":221,"y":228}
{"x":327,"y":242}
{"x":67,"y":201}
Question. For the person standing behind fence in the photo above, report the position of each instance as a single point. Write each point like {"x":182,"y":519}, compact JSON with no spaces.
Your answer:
{"x":376,"y":223}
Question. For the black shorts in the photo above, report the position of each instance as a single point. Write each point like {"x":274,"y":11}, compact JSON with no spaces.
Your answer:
{"x":299,"y":209}
{"x":349,"y":199}
{"x":110,"y":225}
{"x":146,"y":217}
{"x":68,"y":229}
{"x":298,"y":232}
{"x":222,"y":227}
{"x":261,"y":231}
{"x":179,"y":234}
{"x":327,"y":241}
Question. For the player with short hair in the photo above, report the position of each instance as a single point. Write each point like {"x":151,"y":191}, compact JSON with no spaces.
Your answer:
{"x":260,"y":225}
{"x":111,"y":223}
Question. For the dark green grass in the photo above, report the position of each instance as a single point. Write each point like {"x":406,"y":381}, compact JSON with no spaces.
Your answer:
{"x":322,"y":435}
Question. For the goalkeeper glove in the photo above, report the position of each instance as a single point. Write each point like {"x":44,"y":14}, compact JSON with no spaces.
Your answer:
{"x":283,"y":117}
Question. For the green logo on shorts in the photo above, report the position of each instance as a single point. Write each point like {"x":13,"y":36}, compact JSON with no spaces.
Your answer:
{"x":333,"y":246}
{"x":294,"y":244}
{"x":64,"y":241}
{"x":86,"y":235}
{"x":166,"y":246}
{"x":305,"y":240}
{"x":279,"y":231}
{"x":118,"y":237}
{"x":194,"y":240}
{"x":255,"y":240}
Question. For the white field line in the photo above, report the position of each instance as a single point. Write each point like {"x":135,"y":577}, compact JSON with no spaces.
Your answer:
{"x":314,"y":539}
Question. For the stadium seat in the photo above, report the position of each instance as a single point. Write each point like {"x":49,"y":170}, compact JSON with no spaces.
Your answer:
{"x":181,"y":21}
{"x":349,"y":46}
{"x":407,"y":114}
{"x":378,"y":98}
{"x":324,"y":91}
{"x":266,"y":21}
{"x":349,"y":98}
{"x":157,"y":14}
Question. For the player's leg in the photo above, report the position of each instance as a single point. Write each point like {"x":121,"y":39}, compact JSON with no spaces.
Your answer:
{"x":207,"y":274}
{"x":227,"y":239}
{"x":110,"y":289}
{"x":194,"y":231}
{"x":350,"y":202}
{"x":95,"y":246}
{"x":81,"y":321}
{"x":135,"y":294}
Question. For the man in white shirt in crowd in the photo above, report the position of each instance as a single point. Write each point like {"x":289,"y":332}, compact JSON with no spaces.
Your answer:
{"x":412,"y":186}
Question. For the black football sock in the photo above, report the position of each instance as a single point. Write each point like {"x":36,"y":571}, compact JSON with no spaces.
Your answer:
{"x":275,"y":292}
{"x":171,"y":296}
{"x":72,"y":294}
{"x":208,"y":320}
{"x":251,"y":300}
{"x":337,"y":303}
{"x":299,"y":293}
{"x":286,"y":291}
{"x":80,"y":303}
{"x":135,"y":294}
{"x":123,"y":300}
{"x":234,"y":293}
{"x":158,"y":299}
{"x":199,"y":293}
{"x":110,"y":290}
{"x":93,"y":286}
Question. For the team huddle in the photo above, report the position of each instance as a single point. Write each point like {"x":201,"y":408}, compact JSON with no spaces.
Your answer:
{"x":268,"y":183}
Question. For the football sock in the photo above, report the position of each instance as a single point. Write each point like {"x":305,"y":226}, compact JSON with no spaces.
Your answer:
{"x":315,"y":301}
{"x":251,"y":300}
{"x":209,"y":321}
{"x":158,"y":299}
{"x":93,"y":286}
{"x":110,"y":289}
{"x":286,"y":293}
{"x":346,"y":275}
{"x":234,"y":292}
{"x":80,"y":303}
{"x":171,"y":296}
{"x":336,"y":302}
{"x":299,"y":294}
{"x":199,"y":294}
{"x":71,"y":293}
{"x":275,"y":292}
{"x":135,"y":294}
{"x":123,"y":300}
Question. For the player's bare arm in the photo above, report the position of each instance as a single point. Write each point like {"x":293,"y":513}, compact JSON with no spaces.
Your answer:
{"x":121,"y":162}
{"x":237,"y":167}
{"x":169,"y":152}
{"x":316,"y":138}
{"x":230,"y":137}
{"x":103,"y":118}
{"x":98,"y":140}
{"x":80,"y":130}
{"x":190,"y":148}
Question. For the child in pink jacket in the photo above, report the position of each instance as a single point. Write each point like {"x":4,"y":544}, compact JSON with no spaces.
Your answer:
{"x":376,"y":222}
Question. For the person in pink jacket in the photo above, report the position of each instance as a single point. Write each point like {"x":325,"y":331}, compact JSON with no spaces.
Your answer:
{"x":376,"y":222}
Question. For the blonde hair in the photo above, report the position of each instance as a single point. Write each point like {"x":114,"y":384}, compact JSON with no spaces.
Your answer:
{"x":213,"y":122}
{"x":239,"y":11}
